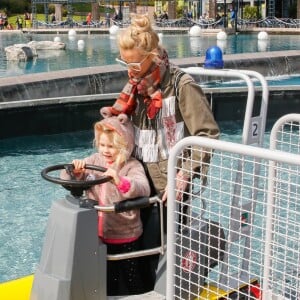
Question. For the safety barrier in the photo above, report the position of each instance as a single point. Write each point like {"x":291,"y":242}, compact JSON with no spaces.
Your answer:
{"x":281,"y":265}
{"x":237,"y":236}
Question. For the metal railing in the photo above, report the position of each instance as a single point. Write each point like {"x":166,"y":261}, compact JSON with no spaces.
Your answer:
{"x":267,"y":214}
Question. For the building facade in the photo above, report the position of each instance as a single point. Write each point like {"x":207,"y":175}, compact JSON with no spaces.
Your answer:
{"x":197,"y":8}
{"x":209,"y":8}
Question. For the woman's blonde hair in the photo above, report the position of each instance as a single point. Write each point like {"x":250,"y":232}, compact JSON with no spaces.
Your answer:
{"x":139,"y":34}
{"x":115,"y":138}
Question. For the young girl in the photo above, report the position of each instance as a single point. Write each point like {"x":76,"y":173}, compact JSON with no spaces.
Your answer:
{"x":114,"y":140}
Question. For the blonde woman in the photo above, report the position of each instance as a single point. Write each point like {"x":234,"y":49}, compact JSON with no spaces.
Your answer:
{"x":164,"y":103}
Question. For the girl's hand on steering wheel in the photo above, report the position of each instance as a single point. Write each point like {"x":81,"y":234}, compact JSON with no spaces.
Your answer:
{"x":113,"y":174}
{"x":79,"y":165}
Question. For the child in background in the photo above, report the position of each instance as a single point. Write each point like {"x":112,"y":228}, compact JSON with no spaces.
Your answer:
{"x":114,"y":140}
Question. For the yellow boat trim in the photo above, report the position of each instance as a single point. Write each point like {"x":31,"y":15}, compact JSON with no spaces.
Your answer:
{"x":18,"y":289}
{"x":212,"y":292}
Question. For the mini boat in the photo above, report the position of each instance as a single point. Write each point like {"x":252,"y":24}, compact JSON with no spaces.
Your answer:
{"x":229,"y":223}
{"x":58,"y":277}
{"x":73,"y":260}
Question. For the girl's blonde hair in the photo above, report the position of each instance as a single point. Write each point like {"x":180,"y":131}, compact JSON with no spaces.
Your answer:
{"x":115,"y":138}
{"x":139,"y":34}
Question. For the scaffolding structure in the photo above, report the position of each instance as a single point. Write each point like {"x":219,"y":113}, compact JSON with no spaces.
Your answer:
{"x":271,"y":8}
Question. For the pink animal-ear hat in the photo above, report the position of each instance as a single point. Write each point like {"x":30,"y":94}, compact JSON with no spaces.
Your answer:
{"x":105,"y":112}
{"x":121,"y":124}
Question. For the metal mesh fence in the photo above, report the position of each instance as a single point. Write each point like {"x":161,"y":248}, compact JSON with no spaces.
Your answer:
{"x":235,"y":231}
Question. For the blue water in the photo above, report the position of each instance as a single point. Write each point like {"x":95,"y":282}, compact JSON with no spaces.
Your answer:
{"x":102,"y":50}
{"x":26,"y":198}
{"x":281,"y":80}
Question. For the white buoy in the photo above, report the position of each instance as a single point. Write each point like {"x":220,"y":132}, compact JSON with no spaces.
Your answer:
{"x":80,"y":45}
{"x":72,"y":32}
{"x":222,"y":36}
{"x":262,"y":45}
{"x":195,"y":30}
{"x":222,"y":44}
{"x":196,"y":45}
{"x":72,"y":38}
{"x":72,"y":35}
{"x":160,"y":35}
{"x":263,"y":35}
{"x":57,"y":39}
{"x":114,"y":29}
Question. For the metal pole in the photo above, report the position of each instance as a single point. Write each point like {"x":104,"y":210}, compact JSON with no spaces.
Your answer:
{"x":120,"y":14}
{"x":258,"y":10}
{"x":200,"y":10}
{"x":242,"y":9}
{"x":236,"y":9}
{"x":225,"y":14}
{"x":45,"y":12}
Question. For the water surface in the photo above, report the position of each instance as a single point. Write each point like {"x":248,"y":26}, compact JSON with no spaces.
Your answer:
{"x":100,"y":50}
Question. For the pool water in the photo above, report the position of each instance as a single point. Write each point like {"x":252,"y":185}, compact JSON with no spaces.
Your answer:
{"x":102,"y":49}
{"x":26,"y":198}
{"x":282,"y":80}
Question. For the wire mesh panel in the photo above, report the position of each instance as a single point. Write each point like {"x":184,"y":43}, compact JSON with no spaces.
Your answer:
{"x":283,"y":249}
{"x":285,"y":135}
{"x":217,"y":228}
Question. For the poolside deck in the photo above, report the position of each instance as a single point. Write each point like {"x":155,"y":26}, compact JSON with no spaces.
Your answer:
{"x":50,"y":103}
{"x":258,"y":61}
{"x":168,"y":30}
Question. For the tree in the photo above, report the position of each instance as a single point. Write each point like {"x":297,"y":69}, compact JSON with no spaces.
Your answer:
{"x":250,"y":12}
{"x":15,"y":6}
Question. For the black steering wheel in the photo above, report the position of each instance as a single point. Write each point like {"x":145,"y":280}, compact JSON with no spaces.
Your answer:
{"x":75,"y":186}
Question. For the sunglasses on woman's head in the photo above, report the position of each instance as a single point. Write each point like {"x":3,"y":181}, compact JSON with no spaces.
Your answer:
{"x":135,"y":66}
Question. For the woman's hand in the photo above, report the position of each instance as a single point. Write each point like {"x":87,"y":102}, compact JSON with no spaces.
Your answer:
{"x":181,"y":185}
{"x":165,"y":196}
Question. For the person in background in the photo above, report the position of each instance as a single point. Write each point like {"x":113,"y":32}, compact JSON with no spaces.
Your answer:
{"x":164,"y":103}
{"x":154,"y":15}
{"x":218,"y":21}
{"x":1,"y":22}
{"x":27,"y":20}
{"x":121,"y":232}
{"x":5,"y":20}
{"x":107,"y":19}
{"x":52,"y":18}
{"x":19,"y":22}
{"x":232,"y":18}
{"x":89,"y":19}
{"x":10,"y":27}
{"x":164,"y":16}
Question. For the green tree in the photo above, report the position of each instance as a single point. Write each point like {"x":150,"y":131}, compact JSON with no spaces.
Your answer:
{"x":15,"y":6}
{"x":250,"y":12}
